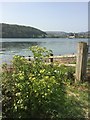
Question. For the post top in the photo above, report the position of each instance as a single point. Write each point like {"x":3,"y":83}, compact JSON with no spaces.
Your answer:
{"x":82,"y":42}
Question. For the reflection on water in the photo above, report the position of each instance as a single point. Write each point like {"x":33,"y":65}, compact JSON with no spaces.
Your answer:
{"x":20,"y":45}
{"x":59,"y":46}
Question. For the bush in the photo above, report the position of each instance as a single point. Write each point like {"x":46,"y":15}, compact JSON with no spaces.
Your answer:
{"x":35,"y":89}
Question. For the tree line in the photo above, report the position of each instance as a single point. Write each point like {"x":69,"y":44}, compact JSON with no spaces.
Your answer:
{"x":18,"y":31}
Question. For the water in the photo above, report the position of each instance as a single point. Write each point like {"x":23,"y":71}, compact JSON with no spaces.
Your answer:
{"x":14,"y":46}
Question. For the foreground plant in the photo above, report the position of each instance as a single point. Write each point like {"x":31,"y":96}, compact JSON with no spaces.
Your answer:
{"x":38,"y":90}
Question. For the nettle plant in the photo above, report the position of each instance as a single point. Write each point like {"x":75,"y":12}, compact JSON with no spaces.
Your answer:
{"x":34,"y":89}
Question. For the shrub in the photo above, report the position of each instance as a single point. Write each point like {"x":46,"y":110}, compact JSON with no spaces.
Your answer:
{"x":35,"y":89}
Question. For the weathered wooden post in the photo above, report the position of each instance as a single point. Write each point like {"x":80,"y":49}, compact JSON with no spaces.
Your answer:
{"x":51,"y":59}
{"x":29,"y":58}
{"x":81,"y":62}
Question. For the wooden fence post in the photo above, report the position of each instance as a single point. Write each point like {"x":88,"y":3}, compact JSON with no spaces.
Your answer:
{"x":81,"y":62}
{"x":29,"y":58}
{"x":51,"y":59}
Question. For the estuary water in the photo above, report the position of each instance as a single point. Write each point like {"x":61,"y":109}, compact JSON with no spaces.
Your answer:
{"x":13,"y":46}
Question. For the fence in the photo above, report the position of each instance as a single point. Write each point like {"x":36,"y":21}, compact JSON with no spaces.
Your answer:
{"x":81,"y":58}
{"x":82,"y":62}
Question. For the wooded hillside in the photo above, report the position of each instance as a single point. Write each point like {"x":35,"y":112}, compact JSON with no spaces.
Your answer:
{"x":18,"y":31}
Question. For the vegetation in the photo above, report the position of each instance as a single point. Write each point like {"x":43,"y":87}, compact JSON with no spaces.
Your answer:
{"x":58,"y":34}
{"x":17,"y":31}
{"x":35,"y":89}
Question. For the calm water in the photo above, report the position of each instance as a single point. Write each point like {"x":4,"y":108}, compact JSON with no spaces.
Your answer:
{"x":59,"y":46}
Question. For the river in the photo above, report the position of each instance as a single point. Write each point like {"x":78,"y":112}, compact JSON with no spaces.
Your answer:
{"x":13,"y":46}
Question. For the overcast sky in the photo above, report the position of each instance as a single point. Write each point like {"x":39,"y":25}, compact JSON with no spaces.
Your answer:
{"x":47,"y":16}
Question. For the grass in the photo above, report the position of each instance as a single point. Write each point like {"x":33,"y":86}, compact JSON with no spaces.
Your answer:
{"x":79,"y":95}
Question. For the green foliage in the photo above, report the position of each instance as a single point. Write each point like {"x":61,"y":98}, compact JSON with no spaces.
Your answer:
{"x":17,"y":31}
{"x":38,"y":90}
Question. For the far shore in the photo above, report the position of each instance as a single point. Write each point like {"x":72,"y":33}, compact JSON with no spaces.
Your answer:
{"x":41,"y":37}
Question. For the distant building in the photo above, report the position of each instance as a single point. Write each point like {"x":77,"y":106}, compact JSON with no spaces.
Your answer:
{"x":71,"y":35}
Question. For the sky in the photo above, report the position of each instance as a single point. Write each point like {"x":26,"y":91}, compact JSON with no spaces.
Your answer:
{"x":47,"y":16}
{"x":44,"y":0}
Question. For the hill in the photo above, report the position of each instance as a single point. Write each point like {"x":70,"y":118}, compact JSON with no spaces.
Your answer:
{"x":56,"y":34}
{"x":19,"y":31}
{"x":61,"y":34}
